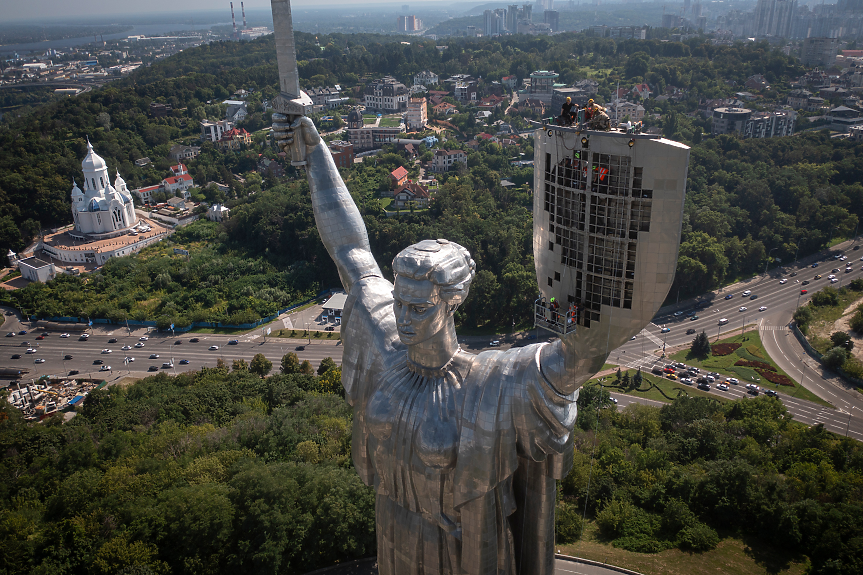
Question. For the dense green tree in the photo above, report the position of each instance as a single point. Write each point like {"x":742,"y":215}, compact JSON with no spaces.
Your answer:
{"x":700,"y":345}
{"x":260,"y":365}
{"x":842,"y":339}
{"x":326,"y":364}
{"x":835,"y":357}
{"x":290,"y":363}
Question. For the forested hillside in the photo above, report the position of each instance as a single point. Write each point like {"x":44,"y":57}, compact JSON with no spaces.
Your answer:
{"x":747,"y":201}
{"x":221,"y":471}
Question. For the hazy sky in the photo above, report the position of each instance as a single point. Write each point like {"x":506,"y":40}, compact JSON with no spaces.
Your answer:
{"x":57,"y":9}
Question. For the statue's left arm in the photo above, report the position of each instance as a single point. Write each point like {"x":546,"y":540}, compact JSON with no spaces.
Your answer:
{"x":576,"y":357}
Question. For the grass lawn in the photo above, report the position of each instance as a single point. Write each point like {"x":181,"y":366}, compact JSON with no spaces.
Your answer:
{"x":751,"y":349}
{"x":732,"y":556}
{"x":666,"y":385}
{"x":219,"y":330}
{"x":385,"y":202}
{"x":303,"y":334}
{"x":823,"y":318}
{"x":390,"y":122}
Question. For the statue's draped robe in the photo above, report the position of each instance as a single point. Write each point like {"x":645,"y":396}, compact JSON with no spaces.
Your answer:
{"x":463,"y":460}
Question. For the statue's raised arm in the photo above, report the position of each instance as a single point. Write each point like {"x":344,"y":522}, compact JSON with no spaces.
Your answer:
{"x":339,"y":221}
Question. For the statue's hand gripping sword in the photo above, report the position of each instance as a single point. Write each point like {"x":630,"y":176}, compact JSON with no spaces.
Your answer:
{"x":291,"y":103}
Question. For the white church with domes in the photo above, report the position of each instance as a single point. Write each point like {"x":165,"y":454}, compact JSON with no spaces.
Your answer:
{"x":101,"y":210}
{"x":105,"y":224}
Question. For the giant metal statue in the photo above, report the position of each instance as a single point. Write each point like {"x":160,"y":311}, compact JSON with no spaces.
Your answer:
{"x":464,"y":450}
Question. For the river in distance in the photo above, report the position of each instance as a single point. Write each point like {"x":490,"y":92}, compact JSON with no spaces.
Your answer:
{"x":144,"y":29}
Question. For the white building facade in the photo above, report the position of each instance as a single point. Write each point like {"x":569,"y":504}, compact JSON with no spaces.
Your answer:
{"x":101,"y":210}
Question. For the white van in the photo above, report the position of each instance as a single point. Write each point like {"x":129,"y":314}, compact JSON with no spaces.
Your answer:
{"x":723,"y":321}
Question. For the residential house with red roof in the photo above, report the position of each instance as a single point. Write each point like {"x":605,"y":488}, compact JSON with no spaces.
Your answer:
{"x":398,"y":177}
{"x":411,"y":193}
{"x":234,"y":138}
{"x":642,"y":91}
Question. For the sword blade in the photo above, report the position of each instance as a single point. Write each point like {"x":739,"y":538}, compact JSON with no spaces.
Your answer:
{"x":286,"y":55}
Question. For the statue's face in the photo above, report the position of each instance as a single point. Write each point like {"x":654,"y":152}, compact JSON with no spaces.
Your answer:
{"x":420,"y":313}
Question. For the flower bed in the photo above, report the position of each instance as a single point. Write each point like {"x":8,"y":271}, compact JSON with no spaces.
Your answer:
{"x":758,"y":365}
{"x":774,"y":377}
{"x":719,"y":349}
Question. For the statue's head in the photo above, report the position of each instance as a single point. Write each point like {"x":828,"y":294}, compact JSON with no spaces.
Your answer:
{"x":432,"y":279}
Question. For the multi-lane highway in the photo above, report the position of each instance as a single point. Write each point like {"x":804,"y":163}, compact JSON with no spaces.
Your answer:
{"x":780,"y":300}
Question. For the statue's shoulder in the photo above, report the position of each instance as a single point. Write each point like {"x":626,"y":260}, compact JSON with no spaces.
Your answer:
{"x":369,"y":334}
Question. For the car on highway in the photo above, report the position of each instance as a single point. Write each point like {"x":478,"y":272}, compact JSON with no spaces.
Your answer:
{"x":713,"y":374}
{"x":98,"y":362}
{"x":686,"y":380}
{"x":723,"y":321}
{"x":747,"y":292}
{"x":300,"y":348}
{"x":184,"y":362}
{"x":835,"y":270}
{"x":815,"y":265}
{"x":630,"y":339}
{"x":704,"y":386}
{"x":830,"y":277}
{"x":153,"y":368}
{"x":107,"y":351}
{"x":843,"y":258}
{"x":127,"y":347}
{"x":763,"y":308}
{"x":154,"y":356}
{"x":16,"y":356}
{"x":112,"y":340}
{"x":84,"y":337}
{"x":793,"y":274}
{"x":130,"y":359}
{"x":669,"y":369}
{"x":40,"y":337}
{"x":693,"y":318}
{"x":671,"y":376}
{"x":848,"y":270}
{"x":834,"y":280}
{"x":732,"y":380}
{"x":167,"y":365}
{"x":722,"y":387}
{"x":10,"y":334}
{"x":678,"y":313}
{"x":495,"y":343}
{"x":657,"y":370}
{"x":783,"y":281}
{"x":68,"y":356}
{"x":22,"y":332}
{"x":742,"y":308}
{"x":140,"y":344}
{"x":64,"y":335}
{"x":30,"y":350}
{"x":804,"y":292}
{"x":804,"y":282}
{"x":690,"y":331}
{"x":234,"y":342}
{"x":74,"y":372}
{"x":771,"y":393}
{"x":729,"y":296}
{"x":665,"y":330}
{"x":753,"y":296}
{"x":679,"y":364}
{"x":214,"y":347}
{"x":194,"y":340}
{"x":39,"y":360}
{"x":143,"y":338}
{"x":178,"y":342}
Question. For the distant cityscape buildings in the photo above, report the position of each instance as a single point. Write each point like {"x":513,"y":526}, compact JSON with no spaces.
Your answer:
{"x":409,"y":24}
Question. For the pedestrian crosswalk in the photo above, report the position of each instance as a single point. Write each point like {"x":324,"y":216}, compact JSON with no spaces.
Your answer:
{"x":773,"y":328}
{"x":651,"y":337}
